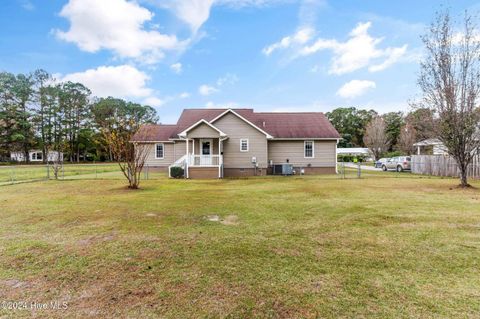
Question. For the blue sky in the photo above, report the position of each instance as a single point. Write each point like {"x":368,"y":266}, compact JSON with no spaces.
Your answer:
{"x":271,"y":55}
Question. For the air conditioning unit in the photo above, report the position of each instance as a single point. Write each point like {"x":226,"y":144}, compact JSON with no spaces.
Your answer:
{"x":283,"y":169}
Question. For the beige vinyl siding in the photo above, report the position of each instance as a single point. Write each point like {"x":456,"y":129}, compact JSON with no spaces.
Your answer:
{"x":324,"y":153}
{"x":168,"y":155}
{"x":180,"y":149}
{"x":237,"y":129}
{"x":203,"y":130}
{"x":171,"y":153}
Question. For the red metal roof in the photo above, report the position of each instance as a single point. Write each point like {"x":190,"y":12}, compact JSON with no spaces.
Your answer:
{"x":279,"y":125}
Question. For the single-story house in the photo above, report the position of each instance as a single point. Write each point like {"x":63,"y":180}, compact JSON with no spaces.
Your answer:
{"x":431,"y":146}
{"x":213,"y":143}
{"x":35,"y":156}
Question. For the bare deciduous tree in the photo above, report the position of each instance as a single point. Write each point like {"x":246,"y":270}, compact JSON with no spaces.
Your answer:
{"x":408,"y":137}
{"x":375,"y":137}
{"x":129,"y":155}
{"x":450,"y":81}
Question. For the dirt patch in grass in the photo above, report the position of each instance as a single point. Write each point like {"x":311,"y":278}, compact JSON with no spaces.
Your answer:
{"x":213,"y":218}
{"x":14,"y":283}
{"x":228,"y":220}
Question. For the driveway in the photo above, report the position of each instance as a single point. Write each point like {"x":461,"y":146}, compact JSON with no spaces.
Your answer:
{"x":363,"y":167}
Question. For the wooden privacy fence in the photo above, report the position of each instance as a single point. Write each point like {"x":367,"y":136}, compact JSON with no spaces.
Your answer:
{"x":442,"y":165}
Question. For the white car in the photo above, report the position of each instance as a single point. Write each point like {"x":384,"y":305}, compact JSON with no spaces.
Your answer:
{"x":380,"y":162}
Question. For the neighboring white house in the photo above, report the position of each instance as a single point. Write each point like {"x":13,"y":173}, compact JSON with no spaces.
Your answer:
{"x":431,"y":146}
{"x":36,"y":156}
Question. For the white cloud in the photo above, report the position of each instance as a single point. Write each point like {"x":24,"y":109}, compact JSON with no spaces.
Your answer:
{"x":309,"y":10}
{"x":315,"y":69}
{"x":153,"y":101}
{"x":227,"y":79}
{"x":205,"y":89}
{"x":195,"y":13}
{"x":302,"y":36}
{"x":177,"y":67}
{"x":184,"y":95}
{"x":27,"y":5}
{"x":116,"y":25}
{"x":393,"y":55}
{"x":355,"y":88}
{"x":123,"y":81}
{"x":359,"y":51}
{"x":210,"y":105}
{"x":227,"y":105}
{"x":249,"y":3}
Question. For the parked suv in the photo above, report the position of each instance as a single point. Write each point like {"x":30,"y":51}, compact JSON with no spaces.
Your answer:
{"x":380,"y":162}
{"x":399,"y":163}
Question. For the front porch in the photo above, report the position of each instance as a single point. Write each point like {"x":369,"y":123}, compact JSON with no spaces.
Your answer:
{"x":203,"y":158}
{"x":203,"y":151}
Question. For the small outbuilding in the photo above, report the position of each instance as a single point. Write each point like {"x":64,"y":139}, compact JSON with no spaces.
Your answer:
{"x":431,"y":146}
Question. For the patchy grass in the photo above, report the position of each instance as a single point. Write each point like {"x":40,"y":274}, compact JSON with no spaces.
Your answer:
{"x":281,"y":247}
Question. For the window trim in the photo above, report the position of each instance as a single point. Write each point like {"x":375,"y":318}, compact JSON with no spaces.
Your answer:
{"x":156,"y":150}
{"x":248,"y":145}
{"x":200,"y":145}
{"x":35,"y":156}
{"x":305,"y":149}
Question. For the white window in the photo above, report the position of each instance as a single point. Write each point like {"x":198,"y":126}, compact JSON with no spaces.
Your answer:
{"x":244,"y":145}
{"x":159,"y":151}
{"x":37,"y":156}
{"x":309,"y":149}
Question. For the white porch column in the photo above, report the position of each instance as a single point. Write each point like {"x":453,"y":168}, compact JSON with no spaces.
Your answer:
{"x":219,"y":158}
{"x":188,"y":158}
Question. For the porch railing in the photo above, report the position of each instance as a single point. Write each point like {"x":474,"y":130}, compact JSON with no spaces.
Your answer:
{"x":204,"y":160}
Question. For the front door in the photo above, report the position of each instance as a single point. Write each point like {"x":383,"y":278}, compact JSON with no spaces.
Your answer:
{"x":206,"y":151}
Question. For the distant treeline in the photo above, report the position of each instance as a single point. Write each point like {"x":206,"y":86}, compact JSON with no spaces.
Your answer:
{"x":402,"y":129}
{"x":36,"y":112}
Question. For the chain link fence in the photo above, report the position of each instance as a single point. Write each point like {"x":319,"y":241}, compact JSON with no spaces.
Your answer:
{"x":12,"y":174}
{"x":358,"y":170}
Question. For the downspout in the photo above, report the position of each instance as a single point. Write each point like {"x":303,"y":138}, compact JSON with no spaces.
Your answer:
{"x":336,"y":157}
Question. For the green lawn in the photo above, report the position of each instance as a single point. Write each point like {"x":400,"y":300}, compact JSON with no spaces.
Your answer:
{"x":385,"y":246}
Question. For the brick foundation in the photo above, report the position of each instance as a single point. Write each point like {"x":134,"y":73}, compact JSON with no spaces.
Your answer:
{"x":244,"y":172}
{"x":310,"y":170}
{"x":203,"y":172}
